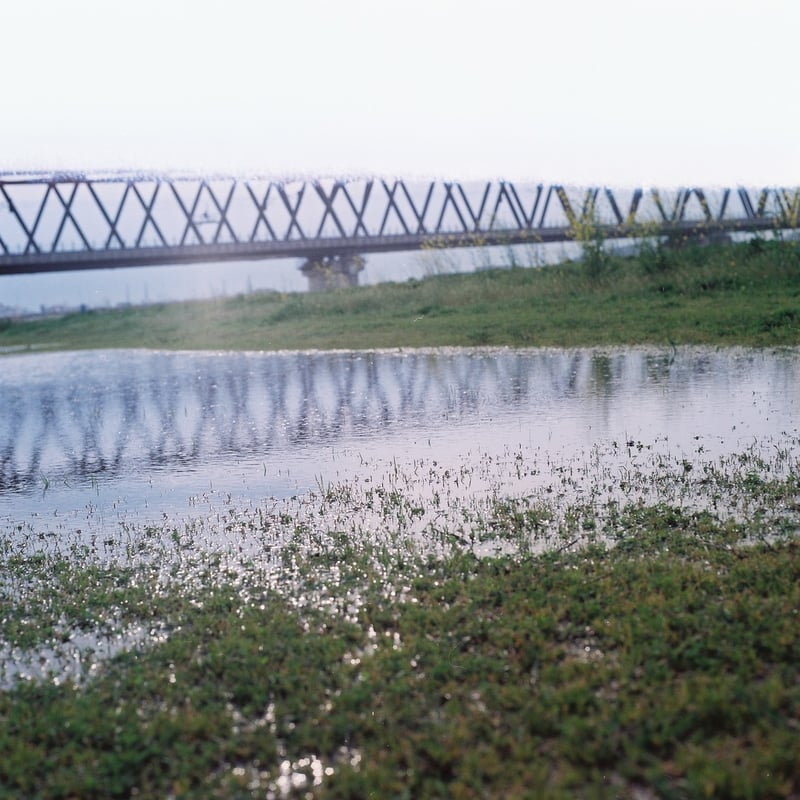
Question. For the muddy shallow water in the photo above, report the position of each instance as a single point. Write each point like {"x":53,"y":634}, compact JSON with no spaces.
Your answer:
{"x":90,"y":439}
{"x":191,"y":468}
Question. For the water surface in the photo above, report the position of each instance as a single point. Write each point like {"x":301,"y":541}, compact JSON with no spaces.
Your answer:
{"x":92,"y":439}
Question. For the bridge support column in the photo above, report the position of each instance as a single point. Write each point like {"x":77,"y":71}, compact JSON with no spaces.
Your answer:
{"x":332,"y":272}
{"x":699,"y":238}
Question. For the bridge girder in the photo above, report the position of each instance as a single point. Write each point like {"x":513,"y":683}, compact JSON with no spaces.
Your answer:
{"x":64,"y":222}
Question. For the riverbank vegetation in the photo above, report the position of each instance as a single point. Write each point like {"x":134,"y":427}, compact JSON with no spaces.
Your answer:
{"x":742,"y":294}
{"x":358,"y":645}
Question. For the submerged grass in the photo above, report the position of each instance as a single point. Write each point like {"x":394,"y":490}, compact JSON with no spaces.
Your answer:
{"x":664,"y":667}
{"x":647,"y":650}
{"x":744,"y":294}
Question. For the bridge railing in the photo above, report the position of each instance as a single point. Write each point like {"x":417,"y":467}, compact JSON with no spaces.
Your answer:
{"x":74,"y":221}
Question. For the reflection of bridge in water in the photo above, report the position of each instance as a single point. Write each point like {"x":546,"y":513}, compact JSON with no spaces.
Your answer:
{"x":52,"y":222}
{"x":104,"y":414}
{"x":76,"y":416}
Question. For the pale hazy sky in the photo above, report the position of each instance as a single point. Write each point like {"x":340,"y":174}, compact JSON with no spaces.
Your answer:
{"x":617,"y":91}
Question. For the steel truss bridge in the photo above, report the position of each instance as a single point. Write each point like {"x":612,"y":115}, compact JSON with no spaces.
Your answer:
{"x":79,"y":221}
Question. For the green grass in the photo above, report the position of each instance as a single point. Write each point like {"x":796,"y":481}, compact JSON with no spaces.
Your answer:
{"x":667,"y":665}
{"x":650,"y":653}
{"x":746,"y":294}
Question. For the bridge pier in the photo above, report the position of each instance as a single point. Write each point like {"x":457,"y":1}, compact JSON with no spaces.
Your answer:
{"x":699,"y":238}
{"x":332,"y":272}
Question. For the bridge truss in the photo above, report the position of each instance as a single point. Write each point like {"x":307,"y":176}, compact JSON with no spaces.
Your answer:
{"x":52,"y":222}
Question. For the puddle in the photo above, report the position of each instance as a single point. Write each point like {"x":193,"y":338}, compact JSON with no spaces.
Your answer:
{"x":91,"y":441}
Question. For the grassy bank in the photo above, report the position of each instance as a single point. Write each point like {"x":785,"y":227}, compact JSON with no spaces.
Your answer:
{"x":747,"y":294}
